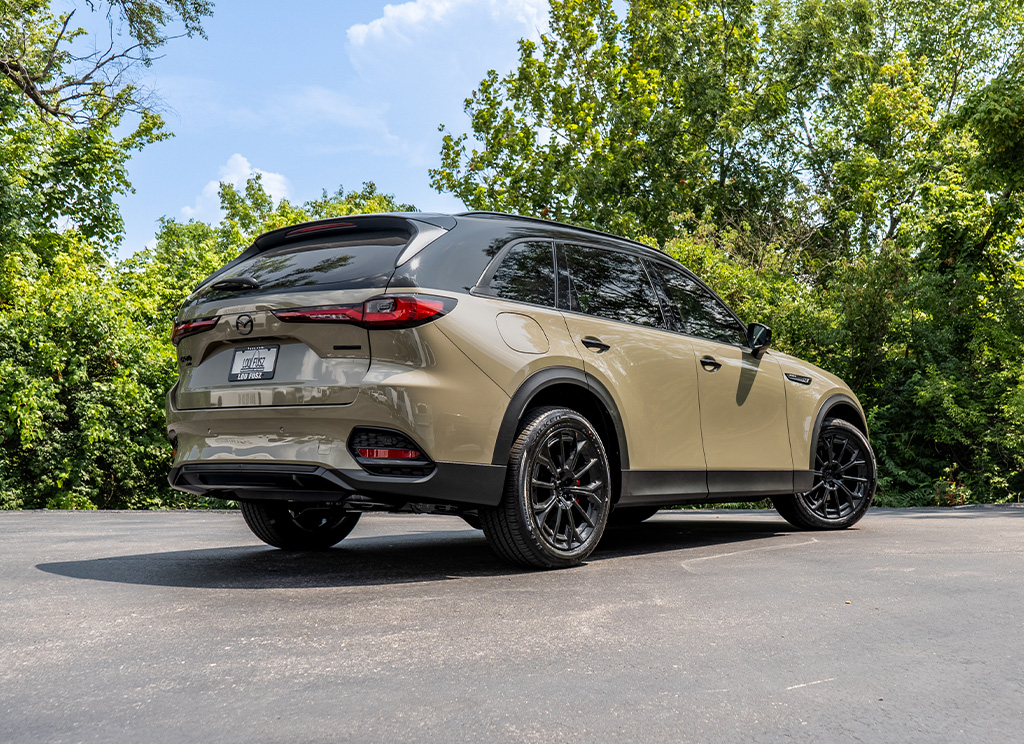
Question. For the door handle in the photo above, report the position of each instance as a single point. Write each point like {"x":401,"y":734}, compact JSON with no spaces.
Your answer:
{"x":709,"y":364}
{"x":595,"y":344}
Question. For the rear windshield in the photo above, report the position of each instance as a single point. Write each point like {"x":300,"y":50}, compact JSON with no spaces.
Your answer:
{"x":361,"y":261}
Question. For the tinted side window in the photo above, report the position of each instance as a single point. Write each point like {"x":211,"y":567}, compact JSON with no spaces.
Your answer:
{"x":699,"y":313}
{"x":611,"y":285}
{"x":527,"y":274}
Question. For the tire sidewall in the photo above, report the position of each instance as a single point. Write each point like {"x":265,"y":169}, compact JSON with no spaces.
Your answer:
{"x":272,"y":522}
{"x":831,"y":426}
{"x":532,"y":438}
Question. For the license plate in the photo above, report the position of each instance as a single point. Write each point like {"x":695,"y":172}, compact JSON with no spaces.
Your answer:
{"x":253,"y":363}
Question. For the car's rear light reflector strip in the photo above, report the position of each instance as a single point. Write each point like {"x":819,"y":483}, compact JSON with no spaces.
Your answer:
{"x":192,"y":327}
{"x":388,"y":452}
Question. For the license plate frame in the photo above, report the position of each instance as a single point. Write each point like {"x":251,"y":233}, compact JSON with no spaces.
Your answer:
{"x":253,"y":363}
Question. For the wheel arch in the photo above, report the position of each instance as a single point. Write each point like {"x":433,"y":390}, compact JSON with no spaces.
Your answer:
{"x":570,"y":388}
{"x":840,"y":406}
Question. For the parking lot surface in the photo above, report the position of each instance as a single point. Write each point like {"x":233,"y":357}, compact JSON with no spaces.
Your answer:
{"x":695,"y":626}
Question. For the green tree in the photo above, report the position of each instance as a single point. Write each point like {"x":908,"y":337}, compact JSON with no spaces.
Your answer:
{"x":41,"y":58}
{"x":86,"y":359}
{"x":80,"y":386}
{"x":847,"y":169}
{"x":81,"y":389}
{"x":69,"y":121}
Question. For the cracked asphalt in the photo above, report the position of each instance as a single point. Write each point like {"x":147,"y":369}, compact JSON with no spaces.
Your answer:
{"x":695,"y":626}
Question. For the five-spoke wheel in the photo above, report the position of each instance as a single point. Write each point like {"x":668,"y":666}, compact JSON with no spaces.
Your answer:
{"x":845,"y":476}
{"x":557,"y":494}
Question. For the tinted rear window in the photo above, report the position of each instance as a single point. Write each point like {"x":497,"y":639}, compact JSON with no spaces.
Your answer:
{"x":361,"y":261}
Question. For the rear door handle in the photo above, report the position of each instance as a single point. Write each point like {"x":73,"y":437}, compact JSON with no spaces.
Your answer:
{"x":710,"y":364}
{"x":595,"y":344}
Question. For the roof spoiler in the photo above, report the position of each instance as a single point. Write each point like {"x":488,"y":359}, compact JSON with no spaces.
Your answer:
{"x":412,"y":221}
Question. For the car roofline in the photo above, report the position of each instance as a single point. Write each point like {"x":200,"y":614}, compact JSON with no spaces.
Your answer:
{"x":556,"y":223}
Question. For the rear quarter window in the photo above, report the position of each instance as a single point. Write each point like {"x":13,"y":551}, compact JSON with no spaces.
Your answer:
{"x":527,"y":274}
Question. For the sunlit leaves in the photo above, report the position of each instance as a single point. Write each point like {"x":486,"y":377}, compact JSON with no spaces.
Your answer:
{"x":848,"y":170}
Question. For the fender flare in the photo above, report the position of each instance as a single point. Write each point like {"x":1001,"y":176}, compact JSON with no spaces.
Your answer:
{"x":831,"y":402}
{"x":541,"y":380}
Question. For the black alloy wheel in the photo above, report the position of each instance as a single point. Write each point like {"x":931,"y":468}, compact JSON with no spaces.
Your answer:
{"x":293,"y":526}
{"x":567,"y":491}
{"x":845,"y":476}
{"x":557,"y":494}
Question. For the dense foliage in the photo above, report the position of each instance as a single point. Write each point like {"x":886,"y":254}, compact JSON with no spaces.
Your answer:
{"x":85,"y":353}
{"x":86,"y":358}
{"x":849,"y":171}
{"x":78,"y":426}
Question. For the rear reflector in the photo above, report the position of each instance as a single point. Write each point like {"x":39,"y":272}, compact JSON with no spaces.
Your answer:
{"x":389,"y":454}
{"x":192,"y":327}
{"x":377,"y":313}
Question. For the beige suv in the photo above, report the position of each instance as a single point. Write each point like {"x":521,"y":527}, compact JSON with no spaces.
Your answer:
{"x":537,"y":379}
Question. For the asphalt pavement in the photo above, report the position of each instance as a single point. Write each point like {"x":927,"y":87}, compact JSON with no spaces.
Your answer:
{"x":714,"y":626}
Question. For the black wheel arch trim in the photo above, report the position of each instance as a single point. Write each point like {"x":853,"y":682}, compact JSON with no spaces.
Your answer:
{"x":830,"y":403}
{"x":538,"y":382}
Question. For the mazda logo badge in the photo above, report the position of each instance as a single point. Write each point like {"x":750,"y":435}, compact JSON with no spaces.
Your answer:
{"x":244,"y":324}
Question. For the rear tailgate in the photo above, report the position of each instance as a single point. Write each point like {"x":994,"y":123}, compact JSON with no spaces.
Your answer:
{"x":302,"y":363}
{"x":234,"y":351}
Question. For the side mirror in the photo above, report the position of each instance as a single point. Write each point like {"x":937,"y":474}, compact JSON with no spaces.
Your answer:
{"x":759,"y":336}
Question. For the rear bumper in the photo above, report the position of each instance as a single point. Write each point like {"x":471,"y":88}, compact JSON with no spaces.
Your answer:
{"x":452,"y":483}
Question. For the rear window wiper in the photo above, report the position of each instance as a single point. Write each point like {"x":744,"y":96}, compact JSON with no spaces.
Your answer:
{"x":236,"y":284}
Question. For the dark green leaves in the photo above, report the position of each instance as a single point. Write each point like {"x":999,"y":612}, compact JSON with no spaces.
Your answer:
{"x":848,"y":171}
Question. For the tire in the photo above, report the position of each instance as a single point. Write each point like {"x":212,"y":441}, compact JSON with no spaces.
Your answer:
{"x":298,"y":526}
{"x":557,"y":492}
{"x":845,"y":477}
{"x":629,"y":515}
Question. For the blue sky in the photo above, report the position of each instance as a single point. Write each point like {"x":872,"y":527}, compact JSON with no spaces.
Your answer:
{"x":316,"y":95}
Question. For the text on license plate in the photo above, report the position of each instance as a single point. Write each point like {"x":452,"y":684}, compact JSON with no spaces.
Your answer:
{"x":253,"y":363}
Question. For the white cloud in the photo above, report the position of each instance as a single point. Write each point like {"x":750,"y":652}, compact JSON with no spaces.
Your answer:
{"x":236,"y":172}
{"x":412,"y":18}
{"x":399,"y":18}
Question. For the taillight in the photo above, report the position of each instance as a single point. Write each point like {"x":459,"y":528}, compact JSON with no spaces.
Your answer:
{"x":330,"y":314}
{"x":377,"y":313}
{"x":192,"y":327}
{"x":319,"y":228}
{"x":402,"y":311}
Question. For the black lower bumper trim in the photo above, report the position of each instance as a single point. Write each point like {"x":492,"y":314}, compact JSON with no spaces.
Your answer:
{"x":450,"y":483}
